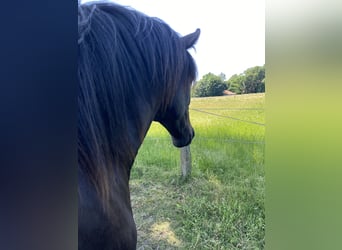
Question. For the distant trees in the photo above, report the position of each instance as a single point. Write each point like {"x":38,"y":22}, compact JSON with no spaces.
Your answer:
{"x":210,"y":85}
{"x":236,"y":84}
{"x":252,"y":80}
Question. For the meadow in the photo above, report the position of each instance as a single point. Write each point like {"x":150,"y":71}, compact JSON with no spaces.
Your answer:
{"x":221,"y":205}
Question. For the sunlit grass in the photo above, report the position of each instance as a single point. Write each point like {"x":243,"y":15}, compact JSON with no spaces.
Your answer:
{"x":222,"y":205}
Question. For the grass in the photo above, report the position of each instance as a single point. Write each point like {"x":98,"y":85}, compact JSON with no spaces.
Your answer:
{"x":221,"y":206}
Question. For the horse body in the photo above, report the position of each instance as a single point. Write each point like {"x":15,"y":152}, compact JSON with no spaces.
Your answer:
{"x":100,"y":230}
{"x":133,"y":69}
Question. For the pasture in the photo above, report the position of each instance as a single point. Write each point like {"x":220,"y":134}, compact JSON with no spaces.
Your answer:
{"x":221,"y":206}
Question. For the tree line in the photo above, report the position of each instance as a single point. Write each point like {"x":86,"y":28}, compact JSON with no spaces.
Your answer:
{"x":252,"y":80}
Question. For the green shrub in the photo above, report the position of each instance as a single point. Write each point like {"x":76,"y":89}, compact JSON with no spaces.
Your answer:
{"x":209,"y":85}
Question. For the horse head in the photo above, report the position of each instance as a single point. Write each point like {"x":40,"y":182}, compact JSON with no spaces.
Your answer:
{"x":175,"y":117}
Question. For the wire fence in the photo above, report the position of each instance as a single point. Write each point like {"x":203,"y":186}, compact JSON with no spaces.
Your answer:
{"x":229,"y":117}
{"x":154,"y":139}
{"x":227,"y":140}
{"x":231,"y":109}
{"x":217,"y":139}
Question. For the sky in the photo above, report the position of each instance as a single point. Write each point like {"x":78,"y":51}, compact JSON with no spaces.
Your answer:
{"x":232,"y":31}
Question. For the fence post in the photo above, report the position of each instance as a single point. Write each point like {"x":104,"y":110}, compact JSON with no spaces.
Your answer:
{"x":185,"y":161}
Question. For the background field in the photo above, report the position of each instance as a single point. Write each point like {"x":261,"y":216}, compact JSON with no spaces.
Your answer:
{"x":221,"y":206}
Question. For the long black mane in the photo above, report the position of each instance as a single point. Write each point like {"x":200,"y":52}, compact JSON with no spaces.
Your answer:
{"x":125,"y":59}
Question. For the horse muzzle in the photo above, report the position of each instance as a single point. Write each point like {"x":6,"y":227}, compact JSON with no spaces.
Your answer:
{"x":184,"y":140}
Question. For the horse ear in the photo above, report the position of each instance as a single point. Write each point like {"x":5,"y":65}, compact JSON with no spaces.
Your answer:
{"x":190,"y":39}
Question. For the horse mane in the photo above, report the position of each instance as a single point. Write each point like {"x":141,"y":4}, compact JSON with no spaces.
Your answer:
{"x":125,"y":58}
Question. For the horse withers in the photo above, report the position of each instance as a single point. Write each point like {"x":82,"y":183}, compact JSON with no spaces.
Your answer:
{"x":132,"y":70}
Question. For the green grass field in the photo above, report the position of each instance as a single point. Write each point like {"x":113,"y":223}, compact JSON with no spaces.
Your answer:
{"x":221,"y":206}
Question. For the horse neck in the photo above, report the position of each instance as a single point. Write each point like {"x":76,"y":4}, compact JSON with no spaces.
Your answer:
{"x":141,"y":111}
{"x":139,"y":122}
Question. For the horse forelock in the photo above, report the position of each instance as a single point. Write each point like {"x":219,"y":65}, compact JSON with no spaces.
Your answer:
{"x":125,"y":58}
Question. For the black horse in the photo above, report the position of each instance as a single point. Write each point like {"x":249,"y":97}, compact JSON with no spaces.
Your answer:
{"x":132,"y":69}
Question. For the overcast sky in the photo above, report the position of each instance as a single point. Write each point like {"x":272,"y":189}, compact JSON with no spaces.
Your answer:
{"x":232,"y":31}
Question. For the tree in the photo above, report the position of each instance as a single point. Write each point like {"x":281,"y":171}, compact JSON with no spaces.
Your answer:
{"x":255,"y":79}
{"x":236,"y":84}
{"x":210,"y":85}
{"x":251,"y":80}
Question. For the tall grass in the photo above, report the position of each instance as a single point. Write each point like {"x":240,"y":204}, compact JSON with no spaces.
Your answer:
{"x":222,"y":205}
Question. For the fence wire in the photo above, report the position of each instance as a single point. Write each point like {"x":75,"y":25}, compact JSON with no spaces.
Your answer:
{"x":203,"y":110}
{"x":229,"y":117}
{"x":231,"y":109}
{"x":153,"y":139}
